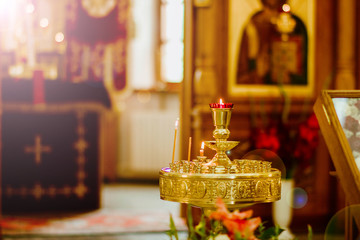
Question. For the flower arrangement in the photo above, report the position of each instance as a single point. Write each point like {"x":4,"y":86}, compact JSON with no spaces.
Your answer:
{"x":295,"y":143}
{"x":225,"y":225}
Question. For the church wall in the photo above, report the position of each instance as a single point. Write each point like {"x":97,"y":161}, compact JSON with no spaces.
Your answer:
{"x":208,"y":49}
{"x":145,"y":145}
{"x":142,"y":70}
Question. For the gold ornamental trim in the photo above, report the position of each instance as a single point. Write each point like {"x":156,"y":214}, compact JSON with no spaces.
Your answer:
{"x":236,"y":190}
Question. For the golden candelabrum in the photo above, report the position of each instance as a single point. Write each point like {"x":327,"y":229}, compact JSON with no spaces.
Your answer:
{"x":201,"y":181}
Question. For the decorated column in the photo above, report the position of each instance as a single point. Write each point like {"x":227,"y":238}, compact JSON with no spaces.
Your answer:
{"x":346,"y":35}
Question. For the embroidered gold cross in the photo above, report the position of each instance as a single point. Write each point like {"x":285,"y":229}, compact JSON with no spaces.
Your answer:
{"x":37,"y":149}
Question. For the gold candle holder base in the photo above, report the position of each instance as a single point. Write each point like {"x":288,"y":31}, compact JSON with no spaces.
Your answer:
{"x":239,"y":183}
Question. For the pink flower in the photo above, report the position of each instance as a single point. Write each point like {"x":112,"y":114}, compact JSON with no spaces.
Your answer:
{"x":236,"y":222}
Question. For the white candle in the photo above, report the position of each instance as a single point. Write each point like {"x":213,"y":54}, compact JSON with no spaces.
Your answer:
{"x":202,"y":149}
{"x":189,"y":150}
{"x":176,"y":126}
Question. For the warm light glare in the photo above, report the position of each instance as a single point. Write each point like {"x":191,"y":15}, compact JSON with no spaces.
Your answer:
{"x":202,"y":145}
{"x":172,"y":36}
{"x":30,"y":8}
{"x":53,"y":74}
{"x":44,"y":22}
{"x":176,"y":123}
{"x":8,"y":7}
{"x":286,"y":7}
{"x":221,"y":101}
{"x":143,"y":96}
{"x":59,"y":37}
{"x":20,"y":36}
{"x":172,"y":69}
{"x":16,"y":70}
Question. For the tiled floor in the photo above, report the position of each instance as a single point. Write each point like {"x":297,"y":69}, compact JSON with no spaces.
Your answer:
{"x":133,"y":198}
{"x":138,"y":197}
{"x":146,"y":197}
{"x":141,"y":197}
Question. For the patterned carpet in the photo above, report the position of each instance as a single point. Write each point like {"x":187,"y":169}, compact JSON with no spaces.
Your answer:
{"x":98,"y":223}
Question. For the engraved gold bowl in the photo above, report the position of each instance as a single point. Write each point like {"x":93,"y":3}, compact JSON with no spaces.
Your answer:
{"x":226,"y":145}
{"x":238,"y":185}
{"x":221,"y":147}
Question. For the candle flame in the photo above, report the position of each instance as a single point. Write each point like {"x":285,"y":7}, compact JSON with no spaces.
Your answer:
{"x":176,"y":123}
{"x":221,"y":101}
{"x":202,"y":149}
{"x":286,"y":8}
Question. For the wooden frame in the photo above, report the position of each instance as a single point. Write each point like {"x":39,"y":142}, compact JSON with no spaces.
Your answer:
{"x":240,"y":12}
{"x":336,"y":135}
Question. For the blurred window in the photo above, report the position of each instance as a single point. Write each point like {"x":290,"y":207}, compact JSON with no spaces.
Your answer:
{"x":172,"y":41}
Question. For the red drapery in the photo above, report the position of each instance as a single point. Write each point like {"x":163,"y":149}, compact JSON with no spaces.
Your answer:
{"x":96,"y":41}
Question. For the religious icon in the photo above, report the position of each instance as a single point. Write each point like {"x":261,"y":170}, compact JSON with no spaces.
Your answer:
{"x":348,"y":112}
{"x":273,"y":47}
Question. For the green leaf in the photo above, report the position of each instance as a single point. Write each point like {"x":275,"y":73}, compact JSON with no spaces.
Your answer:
{"x":200,"y":229}
{"x":271,"y":233}
{"x":173,"y":231}
{"x":310,"y":232}
{"x":278,"y":230}
{"x":238,"y":236}
{"x":261,"y":228}
{"x":192,"y":233}
{"x":217,"y":228}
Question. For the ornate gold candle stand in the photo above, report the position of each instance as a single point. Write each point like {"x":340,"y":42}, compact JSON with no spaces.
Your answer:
{"x":201,"y":181}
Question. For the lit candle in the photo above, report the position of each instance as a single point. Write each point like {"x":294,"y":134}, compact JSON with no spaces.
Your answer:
{"x":221,"y":104}
{"x":176,"y":126}
{"x":189,"y":150}
{"x":202,"y":149}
